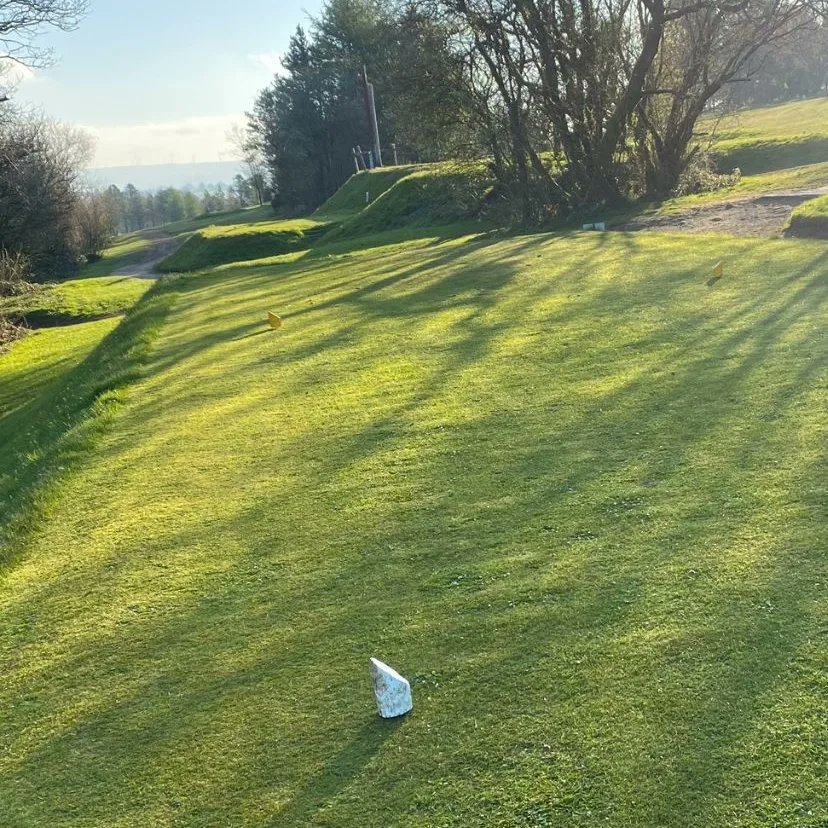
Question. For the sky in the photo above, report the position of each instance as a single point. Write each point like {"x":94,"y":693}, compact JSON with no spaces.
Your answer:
{"x":159,"y":82}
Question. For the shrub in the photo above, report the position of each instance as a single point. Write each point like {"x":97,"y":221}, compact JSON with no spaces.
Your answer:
{"x":14,"y":271}
{"x":702,"y":176}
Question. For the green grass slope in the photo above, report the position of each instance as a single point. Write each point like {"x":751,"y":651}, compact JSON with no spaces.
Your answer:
{"x":246,"y":215}
{"x":810,"y":220}
{"x":350,"y":197}
{"x":573,"y":492}
{"x":428,"y":196}
{"x":222,"y":244}
{"x":774,"y":137}
{"x":76,"y":300}
{"x":58,"y":390}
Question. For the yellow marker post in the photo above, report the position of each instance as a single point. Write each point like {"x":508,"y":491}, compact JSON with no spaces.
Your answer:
{"x":274,"y":320}
{"x":718,"y":270}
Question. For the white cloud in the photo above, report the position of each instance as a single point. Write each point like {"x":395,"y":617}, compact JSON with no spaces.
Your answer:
{"x":271,"y":62}
{"x":167,"y":142}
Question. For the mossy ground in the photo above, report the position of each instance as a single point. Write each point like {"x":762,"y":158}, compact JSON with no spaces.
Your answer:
{"x":571,"y":490}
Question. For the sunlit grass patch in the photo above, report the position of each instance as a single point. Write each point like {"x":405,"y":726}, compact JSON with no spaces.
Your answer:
{"x":43,"y":356}
{"x":76,"y":300}
{"x":773,"y":137}
{"x":218,"y":245}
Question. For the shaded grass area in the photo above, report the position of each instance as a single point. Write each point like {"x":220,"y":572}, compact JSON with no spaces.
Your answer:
{"x":75,"y":300}
{"x":220,"y":245}
{"x":571,"y":491}
{"x":753,"y":156}
{"x":810,"y":220}
{"x":60,"y":388}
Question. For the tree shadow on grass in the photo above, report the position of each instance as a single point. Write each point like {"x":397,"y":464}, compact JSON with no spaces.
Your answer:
{"x":501,"y":587}
{"x":339,"y":772}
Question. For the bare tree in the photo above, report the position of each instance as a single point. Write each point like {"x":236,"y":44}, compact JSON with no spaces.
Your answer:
{"x":23,"y":21}
{"x":247,"y":149}
{"x":95,"y":224}
{"x":701,"y":53}
{"x":606,"y":78}
{"x":40,"y":163}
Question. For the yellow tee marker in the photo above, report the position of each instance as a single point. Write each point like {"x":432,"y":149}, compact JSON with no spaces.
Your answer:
{"x":274,"y":320}
{"x":718,"y":270}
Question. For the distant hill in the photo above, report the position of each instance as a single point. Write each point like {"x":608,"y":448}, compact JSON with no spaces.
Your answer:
{"x":156,"y":176}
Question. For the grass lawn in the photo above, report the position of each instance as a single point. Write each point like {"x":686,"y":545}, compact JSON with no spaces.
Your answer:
{"x":570,"y":489}
{"x":41,"y":357}
{"x":773,"y":137}
{"x":248,"y":214}
{"x":76,"y":300}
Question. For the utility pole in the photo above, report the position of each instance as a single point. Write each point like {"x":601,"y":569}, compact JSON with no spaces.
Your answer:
{"x":371,"y":111}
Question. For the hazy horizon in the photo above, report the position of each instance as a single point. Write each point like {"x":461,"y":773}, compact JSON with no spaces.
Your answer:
{"x":157,"y":176}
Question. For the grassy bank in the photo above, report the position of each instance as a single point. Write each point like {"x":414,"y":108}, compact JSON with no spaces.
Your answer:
{"x":222,"y":244}
{"x":60,"y":387}
{"x":76,"y":300}
{"x":773,"y":137}
{"x":810,"y":220}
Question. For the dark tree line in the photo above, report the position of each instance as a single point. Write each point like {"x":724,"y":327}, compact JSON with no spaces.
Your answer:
{"x":305,"y":124}
{"x":576,"y":102}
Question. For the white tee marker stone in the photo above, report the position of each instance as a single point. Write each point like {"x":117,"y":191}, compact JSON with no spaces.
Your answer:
{"x":392,"y":691}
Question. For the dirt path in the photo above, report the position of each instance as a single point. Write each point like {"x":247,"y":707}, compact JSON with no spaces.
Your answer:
{"x":762,"y":215}
{"x":161,"y":246}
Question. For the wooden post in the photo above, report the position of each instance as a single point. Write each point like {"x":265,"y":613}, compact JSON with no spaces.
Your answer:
{"x":371,"y":110}
{"x":394,"y":150}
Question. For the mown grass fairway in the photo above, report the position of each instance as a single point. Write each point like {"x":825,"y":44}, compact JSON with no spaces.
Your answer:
{"x":569,"y":488}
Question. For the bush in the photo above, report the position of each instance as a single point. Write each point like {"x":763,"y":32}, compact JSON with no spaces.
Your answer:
{"x":14,"y":268}
{"x":40,"y":162}
{"x":702,"y":176}
{"x":14,"y":272}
